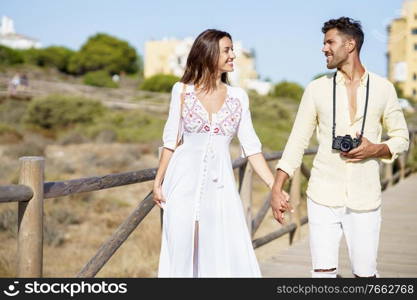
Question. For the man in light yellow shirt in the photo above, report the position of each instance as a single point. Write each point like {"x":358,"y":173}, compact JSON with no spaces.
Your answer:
{"x":344,"y":190}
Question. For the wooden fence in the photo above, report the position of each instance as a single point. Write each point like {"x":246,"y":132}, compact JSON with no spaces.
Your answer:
{"x":32,"y":190}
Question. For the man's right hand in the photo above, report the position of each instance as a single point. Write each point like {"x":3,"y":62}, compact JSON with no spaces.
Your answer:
{"x":280,"y":199}
{"x":280,"y":204}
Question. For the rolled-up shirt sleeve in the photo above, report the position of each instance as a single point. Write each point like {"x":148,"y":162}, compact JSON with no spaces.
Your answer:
{"x":249,"y":141}
{"x":396,"y":127}
{"x":303,"y":128}
{"x":172,"y":124}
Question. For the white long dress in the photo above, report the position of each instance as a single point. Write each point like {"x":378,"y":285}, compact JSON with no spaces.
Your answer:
{"x":199,"y":185}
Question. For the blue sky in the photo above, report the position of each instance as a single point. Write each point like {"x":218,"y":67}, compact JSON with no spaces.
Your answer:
{"x":286,"y":35}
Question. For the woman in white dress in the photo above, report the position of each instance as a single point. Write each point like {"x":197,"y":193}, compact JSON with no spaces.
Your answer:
{"x":204,"y":229}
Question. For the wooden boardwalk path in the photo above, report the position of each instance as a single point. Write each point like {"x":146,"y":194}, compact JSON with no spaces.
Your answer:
{"x":397,"y":255}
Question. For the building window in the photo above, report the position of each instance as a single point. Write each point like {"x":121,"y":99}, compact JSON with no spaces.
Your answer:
{"x":415,"y":47}
{"x":414,"y":31}
{"x":414,"y":76}
{"x":414,"y":92}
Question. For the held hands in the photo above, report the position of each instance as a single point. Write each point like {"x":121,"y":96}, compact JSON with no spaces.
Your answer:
{"x":158,"y":198}
{"x":365,"y":150}
{"x":280,"y":204}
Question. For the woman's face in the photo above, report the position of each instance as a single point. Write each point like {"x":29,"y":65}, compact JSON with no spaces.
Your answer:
{"x":226,"y":56}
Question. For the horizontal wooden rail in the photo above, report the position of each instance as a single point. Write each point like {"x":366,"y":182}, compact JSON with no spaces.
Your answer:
{"x":90,"y":184}
{"x":15,"y":193}
{"x":278,"y":233}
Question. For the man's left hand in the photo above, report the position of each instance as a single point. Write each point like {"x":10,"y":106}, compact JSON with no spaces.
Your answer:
{"x":365,"y":150}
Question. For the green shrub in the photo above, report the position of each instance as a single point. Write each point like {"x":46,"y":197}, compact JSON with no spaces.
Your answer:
{"x":128,"y":126}
{"x":31,"y":56}
{"x":59,"y":112}
{"x":323,"y":74}
{"x":104,"y":52}
{"x":4,"y":128}
{"x":54,"y":56}
{"x":9,"y":56}
{"x":288,"y":89}
{"x":9,"y":134}
{"x":272,"y":120}
{"x":99,"y":78}
{"x":159,"y":83}
{"x":12,"y":111}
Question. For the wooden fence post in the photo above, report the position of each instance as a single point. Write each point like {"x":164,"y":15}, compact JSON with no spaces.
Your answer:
{"x":246,"y":194}
{"x":30,"y":219}
{"x":295,"y":195}
{"x":402,"y":162}
{"x":388,"y":174}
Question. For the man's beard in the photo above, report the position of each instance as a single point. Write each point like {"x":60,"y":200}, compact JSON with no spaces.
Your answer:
{"x":336,"y":62}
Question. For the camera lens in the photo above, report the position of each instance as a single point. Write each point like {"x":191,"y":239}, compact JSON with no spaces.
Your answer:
{"x":345,"y":146}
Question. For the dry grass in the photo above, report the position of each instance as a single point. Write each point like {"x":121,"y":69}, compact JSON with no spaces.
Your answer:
{"x":101,"y":213}
{"x":8,"y":231}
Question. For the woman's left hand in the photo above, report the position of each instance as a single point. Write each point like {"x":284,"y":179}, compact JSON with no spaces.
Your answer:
{"x":285,"y":203}
{"x":158,"y":197}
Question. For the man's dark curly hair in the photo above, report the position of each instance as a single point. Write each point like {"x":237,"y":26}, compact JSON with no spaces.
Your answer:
{"x":348,"y":27}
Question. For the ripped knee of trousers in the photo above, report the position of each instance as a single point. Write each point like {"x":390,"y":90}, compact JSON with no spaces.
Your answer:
{"x":373,"y":276}
{"x":324,"y":273}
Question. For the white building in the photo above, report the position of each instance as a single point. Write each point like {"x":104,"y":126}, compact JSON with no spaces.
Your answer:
{"x":9,"y":38}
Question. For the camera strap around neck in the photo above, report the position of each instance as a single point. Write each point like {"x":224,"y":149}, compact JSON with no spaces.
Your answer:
{"x":334,"y":106}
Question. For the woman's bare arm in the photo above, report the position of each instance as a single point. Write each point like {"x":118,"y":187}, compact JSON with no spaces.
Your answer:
{"x":166,"y":155}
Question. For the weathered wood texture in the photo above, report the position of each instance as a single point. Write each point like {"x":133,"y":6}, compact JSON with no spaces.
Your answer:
{"x":63,"y":188}
{"x":30,"y":219}
{"x":15,"y":192}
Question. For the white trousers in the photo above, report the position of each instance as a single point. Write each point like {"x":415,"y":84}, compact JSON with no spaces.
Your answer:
{"x":361,"y":230}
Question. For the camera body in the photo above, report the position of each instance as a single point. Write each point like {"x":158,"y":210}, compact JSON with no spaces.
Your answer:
{"x":345,"y":143}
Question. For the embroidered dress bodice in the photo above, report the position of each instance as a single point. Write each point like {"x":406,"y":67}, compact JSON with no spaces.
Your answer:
{"x":224,"y":122}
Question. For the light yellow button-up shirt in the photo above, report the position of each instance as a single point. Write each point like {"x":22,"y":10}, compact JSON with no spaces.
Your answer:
{"x":333,"y":180}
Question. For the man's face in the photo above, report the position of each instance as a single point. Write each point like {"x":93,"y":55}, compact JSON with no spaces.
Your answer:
{"x":335,"y":48}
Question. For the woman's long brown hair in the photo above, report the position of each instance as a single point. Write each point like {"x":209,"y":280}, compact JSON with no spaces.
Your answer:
{"x":202,"y":62}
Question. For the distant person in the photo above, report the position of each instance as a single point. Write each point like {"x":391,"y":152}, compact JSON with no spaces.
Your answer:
{"x":14,"y":84}
{"x":24,"y":82}
{"x":348,"y":109}
{"x":204,"y":229}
